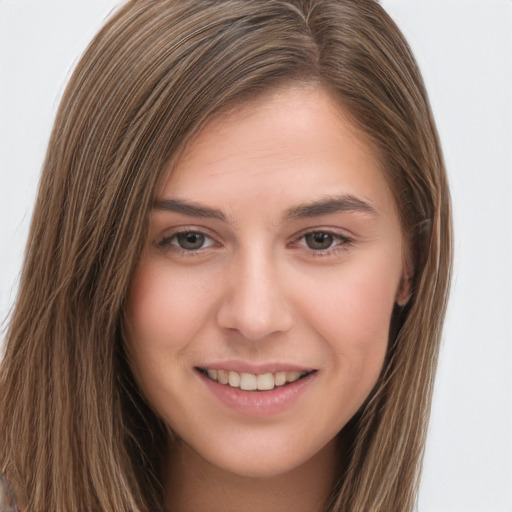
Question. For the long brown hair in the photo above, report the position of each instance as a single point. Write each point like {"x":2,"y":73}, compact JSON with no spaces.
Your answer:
{"x":75,"y":433}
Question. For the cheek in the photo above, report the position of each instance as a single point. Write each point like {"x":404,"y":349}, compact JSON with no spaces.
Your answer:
{"x":164,"y":310}
{"x":165,"y":307}
{"x":352,"y":312}
{"x":159,"y":321}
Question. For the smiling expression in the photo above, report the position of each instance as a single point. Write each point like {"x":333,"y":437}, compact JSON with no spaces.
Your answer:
{"x":273,"y":262}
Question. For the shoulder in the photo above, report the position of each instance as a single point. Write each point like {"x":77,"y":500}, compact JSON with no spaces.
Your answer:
{"x":7,"y":500}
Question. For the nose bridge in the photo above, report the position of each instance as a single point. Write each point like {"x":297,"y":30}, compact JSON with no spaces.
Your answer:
{"x":255,"y":302}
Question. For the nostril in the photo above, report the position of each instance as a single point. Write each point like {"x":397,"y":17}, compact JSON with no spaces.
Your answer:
{"x":254,"y":321}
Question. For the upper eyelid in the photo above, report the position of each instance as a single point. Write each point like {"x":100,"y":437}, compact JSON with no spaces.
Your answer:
{"x":336,"y":232}
{"x":336,"y":236}
{"x":172,"y":232}
{"x":176,"y":230}
{"x":164,"y":239}
{"x":341,"y":243}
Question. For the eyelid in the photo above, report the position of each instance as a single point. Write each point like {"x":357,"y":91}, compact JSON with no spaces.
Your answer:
{"x":344,"y":241}
{"x":164,"y":241}
{"x":341,"y":241}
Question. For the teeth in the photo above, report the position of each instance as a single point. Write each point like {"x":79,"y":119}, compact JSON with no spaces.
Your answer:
{"x":248,"y":382}
{"x":234,"y":379}
{"x":266,"y":382}
{"x":251,"y":382}
{"x":280,"y":378}
{"x":222,"y":376}
{"x":292,"y":376}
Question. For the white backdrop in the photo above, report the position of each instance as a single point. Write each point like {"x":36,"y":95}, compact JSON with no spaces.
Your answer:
{"x":464,"y":48}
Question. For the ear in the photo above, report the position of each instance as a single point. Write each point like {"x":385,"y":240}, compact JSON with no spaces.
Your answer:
{"x":404,"y":292}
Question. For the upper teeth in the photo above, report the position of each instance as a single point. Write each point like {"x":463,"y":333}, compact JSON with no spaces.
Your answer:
{"x":251,"y":381}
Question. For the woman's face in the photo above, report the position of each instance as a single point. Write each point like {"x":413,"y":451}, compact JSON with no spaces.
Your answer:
{"x":274,"y":260}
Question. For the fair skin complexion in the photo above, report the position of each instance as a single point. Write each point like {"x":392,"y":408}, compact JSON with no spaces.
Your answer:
{"x":274,"y":246}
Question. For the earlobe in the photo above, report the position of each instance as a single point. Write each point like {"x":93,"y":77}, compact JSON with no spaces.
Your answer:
{"x":405,"y":289}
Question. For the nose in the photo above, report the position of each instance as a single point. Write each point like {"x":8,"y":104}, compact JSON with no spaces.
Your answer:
{"x":255,"y":302}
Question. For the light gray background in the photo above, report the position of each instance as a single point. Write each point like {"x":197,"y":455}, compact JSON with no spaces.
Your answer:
{"x":464,"y":48}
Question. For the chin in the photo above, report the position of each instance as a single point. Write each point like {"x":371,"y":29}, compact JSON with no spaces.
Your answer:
{"x":265,"y":461}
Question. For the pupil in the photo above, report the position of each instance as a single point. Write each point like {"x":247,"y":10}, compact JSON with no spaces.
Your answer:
{"x":319,"y":241}
{"x":191,"y":241}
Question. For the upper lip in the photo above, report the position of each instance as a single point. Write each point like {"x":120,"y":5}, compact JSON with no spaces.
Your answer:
{"x":245,"y":367}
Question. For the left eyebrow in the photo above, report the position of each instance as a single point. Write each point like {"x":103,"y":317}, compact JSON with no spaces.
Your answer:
{"x":325,"y":206}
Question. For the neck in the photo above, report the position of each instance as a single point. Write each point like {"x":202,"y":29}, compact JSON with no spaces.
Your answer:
{"x":193,"y":484}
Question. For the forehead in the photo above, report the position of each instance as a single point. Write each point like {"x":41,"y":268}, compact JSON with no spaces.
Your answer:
{"x":291,"y":145}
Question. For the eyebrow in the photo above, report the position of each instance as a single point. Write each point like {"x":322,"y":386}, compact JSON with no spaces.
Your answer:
{"x":324,"y":206}
{"x":189,"y":208}
{"x":330,"y":204}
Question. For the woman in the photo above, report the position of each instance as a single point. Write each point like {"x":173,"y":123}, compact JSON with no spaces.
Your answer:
{"x":237,"y":271}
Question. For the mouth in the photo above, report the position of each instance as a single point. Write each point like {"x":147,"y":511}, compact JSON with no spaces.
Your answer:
{"x":254,"y":382}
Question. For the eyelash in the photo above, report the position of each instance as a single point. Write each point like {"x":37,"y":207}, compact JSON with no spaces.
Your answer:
{"x":339,"y":243}
{"x":166,"y":242}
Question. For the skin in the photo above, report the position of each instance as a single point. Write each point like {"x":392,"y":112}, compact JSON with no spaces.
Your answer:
{"x":259,"y":290}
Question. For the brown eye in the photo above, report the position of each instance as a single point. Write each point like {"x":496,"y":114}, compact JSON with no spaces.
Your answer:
{"x":187,"y":242}
{"x":190,"y":241}
{"x":319,"y":240}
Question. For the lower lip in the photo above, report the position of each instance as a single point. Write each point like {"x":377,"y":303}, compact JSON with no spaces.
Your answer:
{"x":259,"y":403}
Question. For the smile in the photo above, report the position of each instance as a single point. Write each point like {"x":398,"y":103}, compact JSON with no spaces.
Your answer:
{"x":253,"y":382}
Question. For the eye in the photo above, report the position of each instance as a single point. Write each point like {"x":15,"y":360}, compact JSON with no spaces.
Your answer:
{"x":190,"y":241}
{"x":319,"y":241}
{"x":186,"y":241}
{"x":323,"y":242}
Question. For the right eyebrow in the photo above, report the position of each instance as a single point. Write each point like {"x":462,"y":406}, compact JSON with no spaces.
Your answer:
{"x":188,"y":208}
